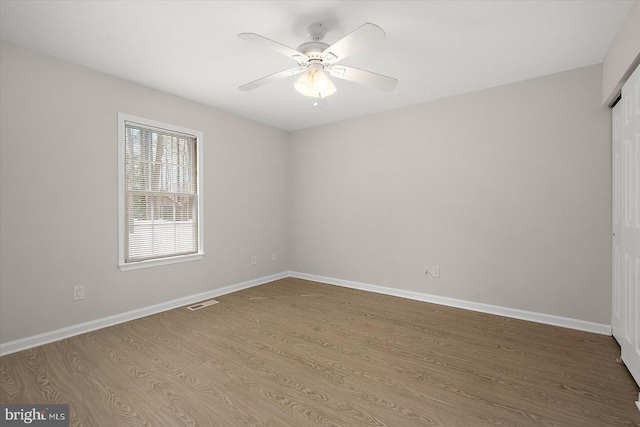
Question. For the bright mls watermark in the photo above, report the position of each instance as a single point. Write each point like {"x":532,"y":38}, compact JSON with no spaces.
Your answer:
{"x":36,"y":415}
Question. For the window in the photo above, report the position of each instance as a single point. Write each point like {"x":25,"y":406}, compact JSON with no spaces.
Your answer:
{"x":160,"y":193}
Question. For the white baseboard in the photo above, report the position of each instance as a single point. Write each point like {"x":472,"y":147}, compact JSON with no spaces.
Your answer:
{"x":548,"y":319}
{"x":59,"y":334}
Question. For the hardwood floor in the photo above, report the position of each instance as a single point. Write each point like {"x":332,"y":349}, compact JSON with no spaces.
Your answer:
{"x":299,"y":353}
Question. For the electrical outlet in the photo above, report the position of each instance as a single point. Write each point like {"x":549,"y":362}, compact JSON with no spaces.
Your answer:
{"x":435,"y":271}
{"x":78,"y":292}
{"x":254,"y":260}
{"x":273,"y":256}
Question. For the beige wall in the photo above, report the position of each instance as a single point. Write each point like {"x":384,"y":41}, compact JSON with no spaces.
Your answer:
{"x":58,"y":206}
{"x":623,"y":56}
{"x":506,"y":189}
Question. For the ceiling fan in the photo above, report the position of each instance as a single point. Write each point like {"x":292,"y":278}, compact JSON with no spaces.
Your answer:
{"x":314,"y":58}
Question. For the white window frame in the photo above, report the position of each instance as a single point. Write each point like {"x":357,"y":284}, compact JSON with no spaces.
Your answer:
{"x":124,"y":266}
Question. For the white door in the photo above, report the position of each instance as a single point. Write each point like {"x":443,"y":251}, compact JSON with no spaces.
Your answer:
{"x":626,"y":223}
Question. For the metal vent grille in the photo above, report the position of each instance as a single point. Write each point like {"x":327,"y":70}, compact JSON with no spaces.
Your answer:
{"x":203,"y":304}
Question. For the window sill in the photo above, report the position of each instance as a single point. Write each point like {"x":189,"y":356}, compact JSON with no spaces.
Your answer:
{"x":158,"y":262}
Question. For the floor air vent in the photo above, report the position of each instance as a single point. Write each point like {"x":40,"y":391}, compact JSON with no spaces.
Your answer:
{"x":203,"y":304}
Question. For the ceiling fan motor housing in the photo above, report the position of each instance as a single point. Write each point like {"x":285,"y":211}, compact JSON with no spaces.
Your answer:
{"x":313,"y":50}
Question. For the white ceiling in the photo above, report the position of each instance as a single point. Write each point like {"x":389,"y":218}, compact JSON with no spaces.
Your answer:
{"x":434,"y":48}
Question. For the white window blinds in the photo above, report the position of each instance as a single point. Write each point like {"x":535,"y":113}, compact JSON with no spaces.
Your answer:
{"x":160,"y":193}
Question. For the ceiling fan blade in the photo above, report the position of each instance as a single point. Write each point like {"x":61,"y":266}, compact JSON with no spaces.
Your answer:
{"x":360,"y":38}
{"x":285,"y":50}
{"x":270,"y":78}
{"x":357,"y":75}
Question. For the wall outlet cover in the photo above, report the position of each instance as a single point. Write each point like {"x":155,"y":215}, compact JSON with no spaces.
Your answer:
{"x":78,"y":293}
{"x":435,"y":271}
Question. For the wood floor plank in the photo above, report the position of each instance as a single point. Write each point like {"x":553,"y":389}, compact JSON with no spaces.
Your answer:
{"x":300,"y":353}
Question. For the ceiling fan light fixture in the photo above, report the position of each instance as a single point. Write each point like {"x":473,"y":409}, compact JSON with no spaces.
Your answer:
{"x":304,"y":84}
{"x":329,"y":91}
{"x":321,"y":82}
{"x":315,"y":84}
